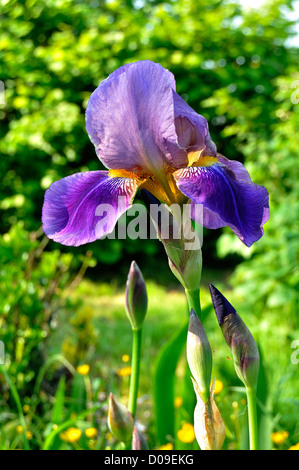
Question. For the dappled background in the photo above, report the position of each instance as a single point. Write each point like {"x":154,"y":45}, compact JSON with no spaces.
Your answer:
{"x":62,"y":307}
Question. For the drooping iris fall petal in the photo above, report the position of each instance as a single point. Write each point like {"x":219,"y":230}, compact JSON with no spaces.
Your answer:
{"x":226,"y":199}
{"x":85,"y":206}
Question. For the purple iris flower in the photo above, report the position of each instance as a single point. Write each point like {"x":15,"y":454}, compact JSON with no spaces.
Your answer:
{"x":148,"y":137}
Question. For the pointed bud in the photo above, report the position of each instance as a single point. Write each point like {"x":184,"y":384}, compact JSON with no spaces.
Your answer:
{"x":239,"y":339}
{"x":120,"y":420}
{"x":138,"y":441}
{"x":182,"y":245}
{"x":136,"y":297}
{"x":208,"y":424}
{"x":199,"y":355}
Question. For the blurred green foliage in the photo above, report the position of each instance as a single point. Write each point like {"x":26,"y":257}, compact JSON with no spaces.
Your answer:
{"x":34,"y":287}
{"x":238,"y":68}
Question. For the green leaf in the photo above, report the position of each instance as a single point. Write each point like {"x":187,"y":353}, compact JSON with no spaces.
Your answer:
{"x":78,"y":394}
{"x":57,"y":413}
{"x":164,"y":382}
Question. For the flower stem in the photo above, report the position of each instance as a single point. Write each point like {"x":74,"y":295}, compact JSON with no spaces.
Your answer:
{"x":136,"y":353}
{"x":252,"y":418}
{"x":193,"y":301}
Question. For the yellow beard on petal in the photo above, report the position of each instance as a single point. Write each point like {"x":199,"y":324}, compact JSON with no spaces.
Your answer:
{"x":193,"y":156}
{"x":125,"y":174}
{"x":169,"y":196}
{"x":195,"y":159}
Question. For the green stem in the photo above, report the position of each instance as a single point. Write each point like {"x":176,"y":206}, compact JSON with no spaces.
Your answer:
{"x":193,"y":301}
{"x":252,"y":418}
{"x":136,"y":353}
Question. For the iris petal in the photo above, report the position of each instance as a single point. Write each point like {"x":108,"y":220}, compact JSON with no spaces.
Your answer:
{"x":85,"y":206}
{"x":130,"y":118}
{"x":228,"y":198}
{"x":197,"y":126}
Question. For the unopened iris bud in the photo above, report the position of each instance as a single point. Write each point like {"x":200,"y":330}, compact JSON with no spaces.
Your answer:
{"x":120,"y":420}
{"x":138,"y":441}
{"x":199,"y":355}
{"x":239,"y":339}
{"x":136,"y":297}
{"x":208,"y":424}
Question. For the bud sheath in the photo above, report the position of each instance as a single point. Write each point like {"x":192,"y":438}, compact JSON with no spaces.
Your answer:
{"x":199,"y":355}
{"x":238,"y":338}
{"x":136,"y":297}
{"x":120,"y":420}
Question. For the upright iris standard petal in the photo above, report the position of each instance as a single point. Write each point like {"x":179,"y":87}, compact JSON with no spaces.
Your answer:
{"x":85,"y":206}
{"x":130,"y":118}
{"x":189,"y":123}
{"x":226,"y":199}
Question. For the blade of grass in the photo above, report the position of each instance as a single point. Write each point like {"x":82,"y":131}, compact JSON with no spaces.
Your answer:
{"x":16,"y":397}
{"x":57,"y":412}
{"x":66,"y":424}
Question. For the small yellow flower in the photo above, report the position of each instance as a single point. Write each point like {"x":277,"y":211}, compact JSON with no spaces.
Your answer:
{"x":71,"y":435}
{"x":168,"y":446}
{"x":218,"y":387}
{"x":26,"y":408}
{"x":84,"y":369}
{"x":279,"y":437}
{"x":125,"y":357}
{"x":29,"y":435}
{"x":178,"y":401}
{"x":19,"y":429}
{"x":91,"y":432}
{"x":124,"y":371}
{"x":186,"y":434}
{"x":294,"y":447}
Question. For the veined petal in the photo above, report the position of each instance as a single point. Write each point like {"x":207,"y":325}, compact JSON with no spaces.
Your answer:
{"x":227,"y":199}
{"x":85,"y":206}
{"x":130,"y":118}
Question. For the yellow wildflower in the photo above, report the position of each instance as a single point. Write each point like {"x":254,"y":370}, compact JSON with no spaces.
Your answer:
{"x":84,"y":369}
{"x":218,"y":387}
{"x":186,"y":433}
{"x":168,"y":446}
{"x":91,"y":432}
{"x":71,"y":435}
{"x":178,"y":401}
{"x":26,"y":408}
{"x":19,"y":429}
{"x":125,"y":357}
{"x":294,"y":447}
{"x":279,"y":437}
{"x":29,"y":435}
{"x":124,"y":371}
